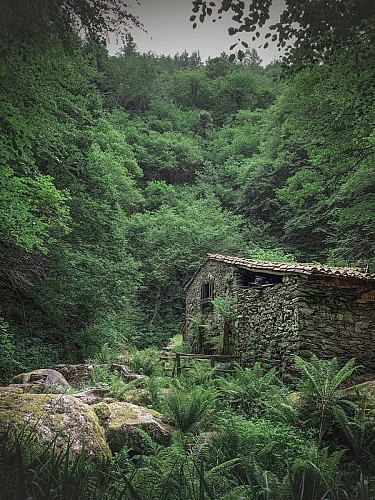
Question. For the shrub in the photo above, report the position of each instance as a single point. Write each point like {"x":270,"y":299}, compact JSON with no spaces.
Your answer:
{"x":190,"y":410}
{"x":105,"y":355}
{"x":145,"y":362}
{"x":113,"y":381}
{"x":176,"y":344}
{"x":275,"y":459}
{"x":324,"y":401}
{"x":200,"y":375}
{"x":253,"y":392}
{"x":157,"y":387}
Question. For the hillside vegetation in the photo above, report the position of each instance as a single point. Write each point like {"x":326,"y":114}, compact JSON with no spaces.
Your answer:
{"x":119,"y":173}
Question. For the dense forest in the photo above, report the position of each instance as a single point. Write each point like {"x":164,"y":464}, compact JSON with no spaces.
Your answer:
{"x":120,"y":172}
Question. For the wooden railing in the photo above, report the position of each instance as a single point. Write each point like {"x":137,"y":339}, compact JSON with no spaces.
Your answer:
{"x":212,"y":358}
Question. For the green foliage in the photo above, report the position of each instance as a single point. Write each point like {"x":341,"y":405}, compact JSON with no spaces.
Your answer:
{"x":157,"y":388}
{"x":105,"y":355}
{"x":201,"y":375}
{"x":130,"y":82}
{"x":274,"y":460}
{"x":313,"y":172}
{"x":29,"y":470}
{"x":8,"y":363}
{"x":34,"y":211}
{"x":145,"y":362}
{"x":118,"y":175}
{"x":113,"y":381}
{"x":218,"y":452}
{"x":323,"y":397}
{"x":177,"y":344}
{"x":28,"y":23}
{"x":252,"y":391}
{"x":190,"y":411}
{"x":162,"y":239}
{"x":308,"y":32}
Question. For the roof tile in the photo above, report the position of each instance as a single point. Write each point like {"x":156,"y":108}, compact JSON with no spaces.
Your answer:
{"x":292,"y":267}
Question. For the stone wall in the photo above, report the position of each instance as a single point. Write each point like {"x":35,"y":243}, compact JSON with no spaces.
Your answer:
{"x":333,"y":323}
{"x":272,"y":324}
{"x":267,"y":324}
{"x":224,"y":286}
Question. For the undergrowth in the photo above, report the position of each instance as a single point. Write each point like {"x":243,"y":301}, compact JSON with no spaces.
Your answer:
{"x":246,"y":436}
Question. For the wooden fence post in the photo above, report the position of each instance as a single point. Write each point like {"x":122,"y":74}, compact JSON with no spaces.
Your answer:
{"x":178,"y":363}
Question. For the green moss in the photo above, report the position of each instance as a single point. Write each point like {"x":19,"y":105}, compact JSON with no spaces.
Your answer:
{"x":102,"y":410}
{"x":128,"y":423}
{"x":136,"y":396}
{"x":121,"y":414}
{"x":49,"y":416}
{"x":6,"y":391}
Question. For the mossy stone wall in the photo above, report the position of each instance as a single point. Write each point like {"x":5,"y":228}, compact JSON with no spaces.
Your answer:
{"x":297,"y":316}
{"x":333,"y":323}
{"x":267,"y":326}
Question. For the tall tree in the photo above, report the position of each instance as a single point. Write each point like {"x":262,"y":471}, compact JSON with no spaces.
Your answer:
{"x":308,"y":30}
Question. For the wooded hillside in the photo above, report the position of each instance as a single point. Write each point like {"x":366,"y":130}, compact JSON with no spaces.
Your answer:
{"x":119,"y":173}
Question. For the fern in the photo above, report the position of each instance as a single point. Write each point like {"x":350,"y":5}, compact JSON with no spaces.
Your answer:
{"x":324,"y":400}
{"x":253,"y":392}
{"x":145,"y":362}
{"x":190,"y":410}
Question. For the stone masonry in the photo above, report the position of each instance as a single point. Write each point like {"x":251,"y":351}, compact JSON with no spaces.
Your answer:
{"x":297,"y":314}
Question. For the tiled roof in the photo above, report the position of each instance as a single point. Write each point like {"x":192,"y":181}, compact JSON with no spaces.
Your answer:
{"x":292,"y":267}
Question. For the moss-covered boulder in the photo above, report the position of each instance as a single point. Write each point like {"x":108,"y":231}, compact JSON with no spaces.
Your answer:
{"x":54,"y":416}
{"x":102,"y":411}
{"x":138,"y":397}
{"x":77,"y":375}
{"x":45,"y":376}
{"x":34,"y":388}
{"x":11,"y":389}
{"x":127,"y":422}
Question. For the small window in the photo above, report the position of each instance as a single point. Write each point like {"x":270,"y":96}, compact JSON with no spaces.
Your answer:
{"x":207,"y":291}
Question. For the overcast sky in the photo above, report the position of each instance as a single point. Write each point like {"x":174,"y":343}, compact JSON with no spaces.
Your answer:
{"x":169,"y":30}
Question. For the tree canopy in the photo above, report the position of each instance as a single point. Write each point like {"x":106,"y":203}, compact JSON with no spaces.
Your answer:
{"x":119,"y":173}
{"x":308,"y":31}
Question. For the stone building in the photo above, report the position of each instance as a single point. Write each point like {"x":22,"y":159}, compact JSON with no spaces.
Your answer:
{"x":269,"y":311}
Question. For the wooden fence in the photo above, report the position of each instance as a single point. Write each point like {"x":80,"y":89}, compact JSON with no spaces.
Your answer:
{"x":212,"y":358}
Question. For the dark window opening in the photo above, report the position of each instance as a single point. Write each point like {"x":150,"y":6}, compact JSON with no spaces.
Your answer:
{"x":207,"y":291}
{"x":249,"y":279}
{"x":207,"y":294}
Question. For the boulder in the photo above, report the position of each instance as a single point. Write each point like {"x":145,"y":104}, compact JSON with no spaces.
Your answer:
{"x":46,"y":377}
{"x":102,"y":411}
{"x":35,"y":388}
{"x":92,"y":396}
{"x":54,"y":416}
{"x":77,"y":375}
{"x":123,"y":426}
{"x":11,"y":389}
{"x":139,"y":397}
{"x":127,"y":374}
